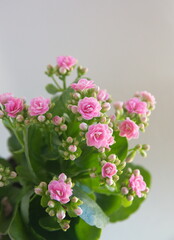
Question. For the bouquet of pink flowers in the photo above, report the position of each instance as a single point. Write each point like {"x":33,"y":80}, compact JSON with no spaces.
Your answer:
{"x":70,"y":171}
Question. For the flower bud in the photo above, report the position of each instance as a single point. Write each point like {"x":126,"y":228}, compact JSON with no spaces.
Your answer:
{"x":131,"y":157}
{"x":143,"y":153}
{"x":112,"y":117}
{"x":61,"y":214}
{"x":62,"y":70}
{"x":1,"y":114}
{"x":38,"y":191}
{"x":103,"y":120}
{"x":51,"y":213}
{"x":66,"y":154}
{"x":143,"y":119}
{"x":103,"y":162}
{"x":83,"y":126}
{"x":72,"y":148}
{"x":146,"y":147}
{"x":72,"y":157}
{"x":124,"y":190}
{"x":147,"y":190}
{"x":106,"y":106}
{"x":65,"y":225}
{"x":57,"y":120}
{"x":19,"y":118}
{"x":109,"y":181}
{"x":41,"y":118}
{"x":74,"y":200}
{"x":1,"y":184}
{"x":92,"y":175}
{"x":69,"y":140}
{"x":63,"y":127}
{"x":74,"y":109}
{"x":118,"y":105}
{"x":13,"y":174}
{"x":136,"y":172}
{"x":51,"y":204}
{"x":76,"y":96}
{"x":102,"y":149}
{"x":78,"y":211}
{"x":112,"y":157}
{"x":43,"y":185}
{"x":63,"y":177}
{"x":138,"y":146}
{"x":0,"y":176}
{"x":130,"y":198}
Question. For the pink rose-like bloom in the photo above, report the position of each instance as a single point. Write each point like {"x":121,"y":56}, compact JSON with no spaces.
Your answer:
{"x":129,"y":129}
{"x":5,"y":97}
{"x":66,"y":62}
{"x":134,"y":105}
{"x":60,"y":190}
{"x":83,"y":84}
{"x":148,"y":97}
{"x":108,"y":170}
{"x":89,"y":108}
{"x":137,"y":184}
{"x":14,"y":106}
{"x":103,"y":95}
{"x":99,"y":135}
{"x":38,"y":106}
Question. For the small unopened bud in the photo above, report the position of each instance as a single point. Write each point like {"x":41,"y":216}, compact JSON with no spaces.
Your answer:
{"x":13,"y":174}
{"x":143,"y":119}
{"x":43,"y":185}
{"x":78,"y":211}
{"x":118,"y":105}
{"x":1,"y":114}
{"x":51,"y":204}
{"x":103,"y":162}
{"x":109,"y":181}
{"x":19,"y":118}
{"x":74,"y":200}
{"x":122,"y":165}
{"x":41,"y":118}
{"x":0,"y":176}
{"x":130,"y":198}
{"x":62,"y":176}
{"x":129,"y":170}
{"x":106,"y":106}
{"x":63,"y":127}
{"x":102,"y":149}
{"x":51,"y":213}
{"x":69,"y":140}
{"x":83,"y":126}
{"x":124,"y":190}
{"x":38,"y":191}
{"x":49,"y":115}
{"x":27,"y":122}
{"x":138,"y":146}
{"x":60,"y":214}
{"x":1,"y":184}
{"x":113,"y":118}
{"x":112,"y":157}
{"x":74,"y":109}
{"x":103,"y":120}
{"x":65,"y":225}
{"x":62,"y":70}
{"x":72,"y":148}
{"x":116,"y":178}
{"x":76,"y":96}
{"x":66,"y":154}
{"x":146,"y":147}
{"x":147,"y":190}
{"x":57,"y":120}
{"x":131,"y":157}
{"x":143,"y":153}
{"x":92,"y":175}
{"x":72,"y":157}
{"x":136,"y":172}
{"x":142,"y":128}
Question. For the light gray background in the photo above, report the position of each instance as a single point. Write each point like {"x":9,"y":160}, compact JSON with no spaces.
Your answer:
{"x":128,"y":46}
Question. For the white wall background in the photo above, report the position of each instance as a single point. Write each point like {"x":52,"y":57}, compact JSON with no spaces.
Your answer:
{"x":128,"y":46}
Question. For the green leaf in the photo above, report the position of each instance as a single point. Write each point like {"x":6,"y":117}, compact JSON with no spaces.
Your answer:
{"x":86,"y":232}
{"x":51,"y":89}
{"x":119,"y":148}
{"x":25,"y":202}
{"x":92,"y":213}
{"x":49,"y":223}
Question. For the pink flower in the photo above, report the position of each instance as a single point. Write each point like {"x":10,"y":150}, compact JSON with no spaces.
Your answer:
{"x":102,"y":95}
{"x":129,"y":129}
{"x":66,"y":62}
{"x":14,"y":106}
{"x":108,"y":170}
{"x":148,"y":97}
{"x":137,"y":184}
{"x":89,"y":108}
{"x":99,"y":135}
{"x":134,"y":105}
{"x":38,"y":105}
{"x":60,"y":190}
{"x":83,"y":84}
{"x":5,"y":97}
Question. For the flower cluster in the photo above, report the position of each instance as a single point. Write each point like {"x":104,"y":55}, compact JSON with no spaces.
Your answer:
{"x":58,"y":199}
{"x":6,"y":175}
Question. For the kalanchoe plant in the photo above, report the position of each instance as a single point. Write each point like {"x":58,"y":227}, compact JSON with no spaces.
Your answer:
{"x":70,"y":170}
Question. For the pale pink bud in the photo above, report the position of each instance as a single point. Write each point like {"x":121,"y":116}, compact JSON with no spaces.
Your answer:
{"x":60,"y":214}
{"x":103,"y":120}
{"x":106,"y":106}
{"x":74,"y":200}
{"x":63,"y":127}
{"x":147,"y":190}
{"x":38,"y":191}
{"x":143,"y":119}
{"x":69,"y":140}
{"x":51,"y":213}
{"x":78,"y":211}
{"x":92,"y":175}
{"x":41,"y":118}
{"x":19,"y":118}
{"x":83,"y":126}
{"x":66,"y":154}
{"x":43,"y":185}
{"x":136,"y":172}
{"x":51,"y":204}
{"x":130,"y":198}
{"x":112,"y":117}
{"x":74,"y":109}
{"x":1,"y":114}
{"x":62,"y":70}
{"x":62,"y":177}
{"x":57,"y":120}
{"x":72,"y":157}
{"x":103,"y":162}
{"x":102,"y":149}
{"x":112,"y":157}
{"x":13,"y":174}
{"x":1,"y":184}
{"x":109,"y":181}
{"x":118,"y":105}
{"x":124,"y":190}
{"x":76,"y":95}
{"x":72,"y":148}
{"x":65,"y":226}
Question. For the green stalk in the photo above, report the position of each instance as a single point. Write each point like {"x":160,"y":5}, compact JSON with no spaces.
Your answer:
{"x":56,"y":83}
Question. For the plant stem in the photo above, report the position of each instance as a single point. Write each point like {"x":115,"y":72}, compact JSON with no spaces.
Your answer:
{"x":56,"y":83}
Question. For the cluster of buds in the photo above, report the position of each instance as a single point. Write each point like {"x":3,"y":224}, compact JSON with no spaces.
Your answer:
{"x":59,"y":123}
{"x":70,"y":149}
{"x":112,"y":168}
{"x":134,"y":185}
{"x":142,"y":149}
{"x":6,"y":175}
{"x":57,"y":197}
